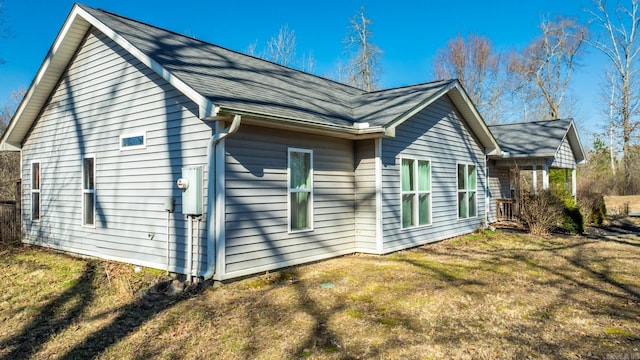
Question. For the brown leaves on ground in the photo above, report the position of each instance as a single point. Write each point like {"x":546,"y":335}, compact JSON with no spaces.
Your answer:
{"x":487,"y":295}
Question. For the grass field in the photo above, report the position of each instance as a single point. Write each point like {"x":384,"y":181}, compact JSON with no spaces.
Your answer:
{"x":483,"y":296}
{"x":617,"y":204}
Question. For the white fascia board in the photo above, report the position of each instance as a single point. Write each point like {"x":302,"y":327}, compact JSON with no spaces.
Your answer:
{"x":576,"y":137}
{"x":44,"y":70}
{"x":290,"y":123}
{"x":206,"y":107}
{"x":477,"y":119}
{"x":390,"y":129}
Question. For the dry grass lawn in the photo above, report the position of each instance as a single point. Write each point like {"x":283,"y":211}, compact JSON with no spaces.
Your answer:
{"x":617,"y":204}
{"x":483,"y":296}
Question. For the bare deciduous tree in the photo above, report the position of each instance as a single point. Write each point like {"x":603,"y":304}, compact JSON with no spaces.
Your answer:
{"x":619,"y":44}
{"x":9,"y":161}
{"x":252,"y":49}
{"x":364,"y":66}
{"x":281,"y":49}
{"x":549,"y":61}
{"x":308,"y":63}
{"x":477,"y":66}
{"x":9,"y":108}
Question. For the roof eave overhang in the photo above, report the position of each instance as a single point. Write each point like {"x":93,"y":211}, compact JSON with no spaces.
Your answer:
{"x":303,"y":125}
{"x":521,"y":157}
{"x":55,"y":64}
{"x":463,"y":103}
{"x":576,"y":145}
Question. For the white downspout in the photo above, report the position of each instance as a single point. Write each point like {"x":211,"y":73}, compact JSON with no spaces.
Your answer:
{"x":211,"y":193}
{"x":168,"y":242}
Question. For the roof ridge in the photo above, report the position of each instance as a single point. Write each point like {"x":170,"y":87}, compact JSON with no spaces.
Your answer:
{"x":443,"y":81}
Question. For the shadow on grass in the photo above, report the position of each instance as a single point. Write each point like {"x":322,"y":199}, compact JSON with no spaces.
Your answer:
{"x":621,"y":231}
{"x":131,"y":318}
{"x":53,"y":317}
{"x":65,"y":310}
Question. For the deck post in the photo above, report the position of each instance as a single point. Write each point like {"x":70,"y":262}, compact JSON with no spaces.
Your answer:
{"x":545,"y":177}
{"x":535,"y":179}
{"x":574,"y":186}
{"x":566,"y":180}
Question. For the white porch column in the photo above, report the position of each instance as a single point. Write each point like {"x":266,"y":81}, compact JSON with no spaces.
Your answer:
{"x":545,"y":177}
{"x":574,"y":186}
{"x":535,"y":179}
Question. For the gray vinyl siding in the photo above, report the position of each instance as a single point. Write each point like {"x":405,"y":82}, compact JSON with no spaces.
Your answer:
{"x":564,"y":157}
{"x":499,"y":188}
{"x":438,"y":134}
{"x":365,"y":202}
{"x":106,"y":93}
{"x":257,"y":237}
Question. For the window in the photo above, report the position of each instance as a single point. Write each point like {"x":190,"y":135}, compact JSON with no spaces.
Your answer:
{"x":88,"y":191}
{"x":35,"y":191}
{"x":133,"y":141}
{"x":416,"y":192}
{"x":300,"y":190}
{"x":467,"y":200}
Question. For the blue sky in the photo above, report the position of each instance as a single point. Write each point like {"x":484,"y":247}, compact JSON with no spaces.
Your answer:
{"x":409,"y":32}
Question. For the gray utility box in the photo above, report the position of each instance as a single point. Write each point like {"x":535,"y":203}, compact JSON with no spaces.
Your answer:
{"x":192,"y":189}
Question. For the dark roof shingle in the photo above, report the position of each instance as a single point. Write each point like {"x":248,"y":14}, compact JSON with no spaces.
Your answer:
{"x":531,"y":139}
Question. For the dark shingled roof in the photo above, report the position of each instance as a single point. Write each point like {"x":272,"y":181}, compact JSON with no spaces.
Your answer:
{"x":378,"y":108}
{"x":237,"y":81}
{"x":241,"y":82}
{"x":531,"y":139}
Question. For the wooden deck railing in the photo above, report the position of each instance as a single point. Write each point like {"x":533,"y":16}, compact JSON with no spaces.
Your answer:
{"x":506,"y":210}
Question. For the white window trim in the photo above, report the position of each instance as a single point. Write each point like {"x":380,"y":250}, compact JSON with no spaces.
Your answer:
{"x":466,"y":190}
{"x":132,"y":135}
{"x":91,"y":191}
{"x":290,"y":191}
{"x":416,"y":210}
{"x":38,"y":191}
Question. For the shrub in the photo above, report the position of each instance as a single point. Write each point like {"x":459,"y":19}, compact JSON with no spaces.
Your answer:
{"x":572,"y":221}
{"x":592,"y":206}
{"x":542,"y":212}
{"x":546,"y":211}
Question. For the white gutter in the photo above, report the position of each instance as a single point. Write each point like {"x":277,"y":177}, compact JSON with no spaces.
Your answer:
{"x":212,"y":192}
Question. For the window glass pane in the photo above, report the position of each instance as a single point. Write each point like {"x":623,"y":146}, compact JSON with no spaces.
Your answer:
{"x":35,"y":206}
{"x":407,"y":210}
{"x":424,"y":217}
{"x":471,"y":184}
{"x":35,"y":176}
{"x":300,"y":210}
{"x":407,"y":175}
{"x":472,"y":203}
{"x":88,"y":208}
{"x":88,"y":181}
{"x":300,"y":165}
{"x":424,"y":180}
{"x":133,"y":141}
{"x":462,"y":204}
{"x":461,"y":177}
